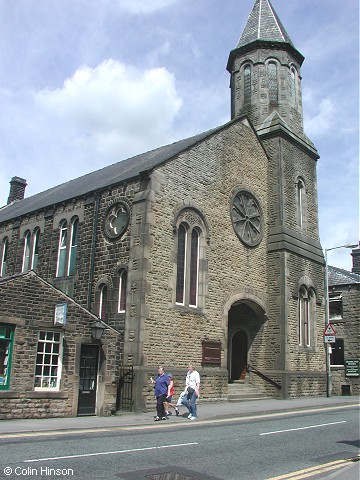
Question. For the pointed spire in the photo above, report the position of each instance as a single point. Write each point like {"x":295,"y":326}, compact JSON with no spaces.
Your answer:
{"x":263,"y":24}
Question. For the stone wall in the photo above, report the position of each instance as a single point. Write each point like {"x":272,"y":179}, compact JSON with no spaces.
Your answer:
{"x":348,"y":329}
{"x":31,"y":312}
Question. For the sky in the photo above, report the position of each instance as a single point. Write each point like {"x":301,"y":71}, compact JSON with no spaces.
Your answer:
{"x":88,"y":83}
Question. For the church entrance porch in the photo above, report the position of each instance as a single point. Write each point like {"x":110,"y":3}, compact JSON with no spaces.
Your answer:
{"x":245,"y":319}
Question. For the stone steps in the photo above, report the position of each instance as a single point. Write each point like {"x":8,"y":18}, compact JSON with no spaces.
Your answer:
{"x":242,"y":391}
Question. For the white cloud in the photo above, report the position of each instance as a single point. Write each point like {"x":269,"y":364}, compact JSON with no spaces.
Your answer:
{"x":321,"y":116}
{"x":102,"y":109}
{"x":144,"y":6}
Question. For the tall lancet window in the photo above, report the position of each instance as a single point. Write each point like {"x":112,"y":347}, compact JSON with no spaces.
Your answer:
{"x":300,"y":203}
{"x":273,"y":81}
{"x":247,"y":84}
{"x":306,"y":315}
{"x":190,"y":259}
{"x":293,"y":85}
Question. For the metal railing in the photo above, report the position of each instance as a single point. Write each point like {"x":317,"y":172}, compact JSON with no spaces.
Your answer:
{"x":251,"y":369}
{"x":124,"y":397}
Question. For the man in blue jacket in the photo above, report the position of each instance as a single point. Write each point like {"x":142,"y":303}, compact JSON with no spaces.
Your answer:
{"x":162,"y":382}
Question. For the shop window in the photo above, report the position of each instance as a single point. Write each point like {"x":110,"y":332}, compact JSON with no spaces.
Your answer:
{"x":6,"y":346}
{"x":48,"y":361}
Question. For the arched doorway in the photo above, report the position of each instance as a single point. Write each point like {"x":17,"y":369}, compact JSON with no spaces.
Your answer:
{"x":245,"y":318}
{"x":239,"y":355}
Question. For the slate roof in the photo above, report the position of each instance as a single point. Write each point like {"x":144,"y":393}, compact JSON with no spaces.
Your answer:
{"x":339,"y":276}
{"x":263,"y":24}
{"x":107,"y":176}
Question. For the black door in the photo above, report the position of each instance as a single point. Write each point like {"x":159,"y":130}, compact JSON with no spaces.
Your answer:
{"x":88,"y":379}
{"x":239,"y":356}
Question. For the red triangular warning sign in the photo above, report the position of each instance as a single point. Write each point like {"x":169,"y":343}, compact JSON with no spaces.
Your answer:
{"x":329,"y":330}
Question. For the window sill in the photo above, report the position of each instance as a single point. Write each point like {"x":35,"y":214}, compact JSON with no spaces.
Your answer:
{"x":46,"y":394}
{"x":9,"y":394}
{"x":185,"y":309}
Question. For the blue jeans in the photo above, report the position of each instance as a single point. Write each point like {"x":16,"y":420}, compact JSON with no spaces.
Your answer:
{"x":190,"y":403}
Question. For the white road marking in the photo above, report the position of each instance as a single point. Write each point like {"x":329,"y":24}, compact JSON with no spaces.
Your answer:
{"x":111,"y":453}
{"x":302,"y":428}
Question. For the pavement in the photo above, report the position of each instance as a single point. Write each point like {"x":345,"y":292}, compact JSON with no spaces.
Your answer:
{"x":206,"y":412}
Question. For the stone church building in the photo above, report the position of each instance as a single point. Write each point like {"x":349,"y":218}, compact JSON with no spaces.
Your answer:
{"x":206,"y":251}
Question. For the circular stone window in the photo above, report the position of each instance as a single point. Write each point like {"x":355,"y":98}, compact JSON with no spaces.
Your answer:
{"x":247,"y":218}
{"x":116,"y":220}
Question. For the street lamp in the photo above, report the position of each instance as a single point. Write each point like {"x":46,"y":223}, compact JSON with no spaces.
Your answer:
{"x":327,"y":315}
{"x":97,"y":330}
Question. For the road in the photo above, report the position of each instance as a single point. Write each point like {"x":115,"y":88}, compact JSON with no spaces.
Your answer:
{"x":313,"y":444}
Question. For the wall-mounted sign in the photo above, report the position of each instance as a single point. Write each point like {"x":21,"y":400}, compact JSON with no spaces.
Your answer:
{"x":352,"y":368}
{"x":60,"y":314}
{"x":211,"y":352}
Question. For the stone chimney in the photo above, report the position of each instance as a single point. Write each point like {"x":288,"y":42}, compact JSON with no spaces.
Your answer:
{"x":17,"y":189}
{"x":356,"y":260}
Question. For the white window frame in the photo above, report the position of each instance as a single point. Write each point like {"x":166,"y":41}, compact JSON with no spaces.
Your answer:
{"x":122,"y":274}
{"x":101,"y":300}
{"x":35,"y":249}
{"x":74,"y":238}
{"x":26,"y":252}
{"x":62,"y":249}
{"x":48,"y":366}
{"x":4,"y":253}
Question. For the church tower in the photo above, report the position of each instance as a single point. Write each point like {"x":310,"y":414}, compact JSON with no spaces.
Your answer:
{"x":266,"y":86}
{"x":265,"y":71}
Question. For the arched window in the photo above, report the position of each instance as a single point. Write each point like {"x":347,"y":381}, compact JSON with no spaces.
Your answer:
{"x":194,"y":268}
{"x":247,"y":84}
{"x":103,"y":302}
{"x":73,"y":246}
{"x":35,"y":249}
{"x":60,"y":270}
{"x":273,"y":81}
{"x":300,"y":203}
{"x":26,"y":252}
{"x":306,"y":315}
{"x":3,"y":257}
{"x":68,"y":245}
{"x":181,"y":265}
{"x":122,"y":291}
{"x":293,"y":84}
{"x":190,"y":274}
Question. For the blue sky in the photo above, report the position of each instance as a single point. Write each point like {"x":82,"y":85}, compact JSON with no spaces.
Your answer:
{"x":87,"y":83}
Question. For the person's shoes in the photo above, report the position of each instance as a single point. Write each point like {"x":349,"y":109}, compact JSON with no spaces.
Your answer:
{"x":190,"y":415}
{"x":167,"y":414}
{"x":164,"y":418}
{"x":193,"y":417}
{"x":177,"y":411}
{"x":156,"y":419}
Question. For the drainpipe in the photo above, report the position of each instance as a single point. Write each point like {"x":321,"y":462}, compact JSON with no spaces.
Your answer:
{"x":93,"y":247}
